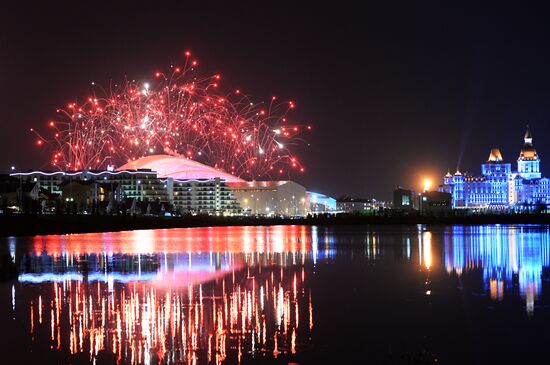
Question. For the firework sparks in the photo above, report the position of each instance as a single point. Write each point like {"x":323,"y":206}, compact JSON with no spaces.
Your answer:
{"x":180,"y":113}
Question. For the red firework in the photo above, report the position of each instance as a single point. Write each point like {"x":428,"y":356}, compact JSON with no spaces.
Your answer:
{"x":179,"y":113}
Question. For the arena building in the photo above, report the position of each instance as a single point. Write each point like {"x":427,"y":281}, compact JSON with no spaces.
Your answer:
{"x":196,"y":187}
{"x":179,"y":168}
{"x":191,"y":187}
{"x":499,"y":187}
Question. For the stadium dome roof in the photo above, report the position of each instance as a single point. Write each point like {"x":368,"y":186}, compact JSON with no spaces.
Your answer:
{"x":178,"y":168}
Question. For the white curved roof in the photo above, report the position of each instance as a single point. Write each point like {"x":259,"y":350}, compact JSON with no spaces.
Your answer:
{"x":178,"y":168}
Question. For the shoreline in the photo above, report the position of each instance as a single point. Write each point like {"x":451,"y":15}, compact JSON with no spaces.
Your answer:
{"x":31,"y":225}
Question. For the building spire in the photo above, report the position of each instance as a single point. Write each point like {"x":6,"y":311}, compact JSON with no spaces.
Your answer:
{"x":528,"y":138}
{"x":528,"y":152}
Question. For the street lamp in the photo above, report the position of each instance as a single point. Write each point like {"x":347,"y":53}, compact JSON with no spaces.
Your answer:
{"x":20,"y":190}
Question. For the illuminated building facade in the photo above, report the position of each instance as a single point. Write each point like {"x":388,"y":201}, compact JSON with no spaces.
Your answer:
{"x":319,"y":203}
{"x":142,"y":185}
{"x":405,"y":199}
{"x":269,"y":198}
{"x":196,"y":196}
{"x":499,"y":187}
{"x":190,"y":187}
{"x":202,"y":196}
{"x":356,"y":205}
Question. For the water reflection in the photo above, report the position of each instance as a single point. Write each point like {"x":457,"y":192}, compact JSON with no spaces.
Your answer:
{"x":233,"y":292}
{"x":254,"y":311}
{"x":230,"y":294}
{"x":503,"y":253}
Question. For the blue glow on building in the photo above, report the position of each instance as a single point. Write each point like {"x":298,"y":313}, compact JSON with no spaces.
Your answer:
{"x":320,"y":203}
{"x":499,"y":187}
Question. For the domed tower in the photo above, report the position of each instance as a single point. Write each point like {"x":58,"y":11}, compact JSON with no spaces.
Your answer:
{"x":448,"y":178}
{"x":495,"y":167}
{"x":495,"y":155}
{"x":528,"y":160}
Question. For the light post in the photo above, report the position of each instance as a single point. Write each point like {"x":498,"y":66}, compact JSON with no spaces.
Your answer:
{"x":20,"y":190}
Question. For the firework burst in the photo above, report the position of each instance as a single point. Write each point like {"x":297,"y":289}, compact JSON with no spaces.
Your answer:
{"x":178,"y":113}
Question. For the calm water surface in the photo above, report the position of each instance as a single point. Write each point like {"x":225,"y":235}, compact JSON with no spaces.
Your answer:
{"x":285,"y":294}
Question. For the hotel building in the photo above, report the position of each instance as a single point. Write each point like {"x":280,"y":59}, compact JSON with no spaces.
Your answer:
{"x":499,"y":187}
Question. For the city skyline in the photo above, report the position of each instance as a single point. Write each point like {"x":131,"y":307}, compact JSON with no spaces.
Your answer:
{"x":394,"y":95}
{"x":274,"y":182}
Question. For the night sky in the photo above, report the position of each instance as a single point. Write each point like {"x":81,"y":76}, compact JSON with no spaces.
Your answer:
{"x":394,"y":94}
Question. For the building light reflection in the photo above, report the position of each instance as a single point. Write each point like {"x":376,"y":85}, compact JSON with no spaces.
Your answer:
{"x":427,"y":249}
{"x":146,"y":306}
{"x":505,"y":255}
{"x":235,"y":293}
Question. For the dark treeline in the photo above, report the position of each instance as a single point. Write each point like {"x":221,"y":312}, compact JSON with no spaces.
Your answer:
{"x":26,"y":225}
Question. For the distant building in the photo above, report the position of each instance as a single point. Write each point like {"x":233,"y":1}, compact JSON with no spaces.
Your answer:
{"x":12,"y":191}
{"x":499,"y":187}
{"x":319,"y":203}
{"x":405,"y":199}
{"x":435,"y":202}
{"x":86,"y":192}
{"x":142,"y":185}
{"x":270,"y":198}
{"x":9,"y":191}
{"x":348,"y":204}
